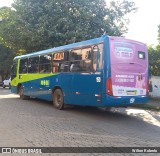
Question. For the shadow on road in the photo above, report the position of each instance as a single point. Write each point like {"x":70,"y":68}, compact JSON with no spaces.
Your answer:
{"x":115,"y":115}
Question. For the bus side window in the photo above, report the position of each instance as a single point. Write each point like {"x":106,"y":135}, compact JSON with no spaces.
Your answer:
{"x":45,"y":63}
{"x":33,"y":65}
{"x":23,"y":66}
{"x":86,"y":60}
{"x":55,"y":67}
{"x":75,"y":66}
{"x":65,"y":67}
{"x":75,"y":55}
{"x":81,"y":60}
{"x":100,"y":55}
{"x":58,"y":59}
{"x":95,"y":59}
{"x":14,"y":70}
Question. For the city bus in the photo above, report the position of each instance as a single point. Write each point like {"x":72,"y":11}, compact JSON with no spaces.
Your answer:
{"x":102,"y":72}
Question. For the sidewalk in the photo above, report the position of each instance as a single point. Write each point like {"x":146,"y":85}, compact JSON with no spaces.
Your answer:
{"x":153,"y":104}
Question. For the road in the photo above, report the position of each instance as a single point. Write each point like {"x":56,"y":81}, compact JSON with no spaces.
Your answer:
{"x":36,"y":123}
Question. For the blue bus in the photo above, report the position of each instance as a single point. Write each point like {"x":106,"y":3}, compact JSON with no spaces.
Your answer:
{"x":101,"y":72}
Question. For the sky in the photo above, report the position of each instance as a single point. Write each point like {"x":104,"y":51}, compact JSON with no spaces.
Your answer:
{"x":144,"y":23}
{"x":5,"y":2}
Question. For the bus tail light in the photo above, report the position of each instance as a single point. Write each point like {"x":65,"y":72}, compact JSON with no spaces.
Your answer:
{"x":109,"y":87}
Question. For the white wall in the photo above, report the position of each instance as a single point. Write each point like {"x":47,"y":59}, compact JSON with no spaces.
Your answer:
{"x":156,"y":86}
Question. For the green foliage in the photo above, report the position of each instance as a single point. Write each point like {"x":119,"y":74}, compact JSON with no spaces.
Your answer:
{"x":154,"y":57}
{"x":154,"y":60}
{"x":6,"y":57}
{"x":35,"y":25}
{"x":8,"y":37}
{"x":8,"y":29}
{"x":32,"y":25}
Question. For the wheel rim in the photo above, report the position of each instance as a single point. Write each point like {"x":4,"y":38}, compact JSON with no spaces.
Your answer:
{"x":58,"y":99}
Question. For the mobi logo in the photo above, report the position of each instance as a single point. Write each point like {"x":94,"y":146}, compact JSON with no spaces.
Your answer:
{"x":45,"y":82}
{"x":132,"y":100}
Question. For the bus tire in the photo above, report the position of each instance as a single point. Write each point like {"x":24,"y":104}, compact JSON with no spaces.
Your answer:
{"x":21,"y":93}
{"x":58,"y":99}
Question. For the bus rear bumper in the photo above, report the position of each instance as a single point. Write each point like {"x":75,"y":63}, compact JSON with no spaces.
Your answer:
{"x":112,"y":101}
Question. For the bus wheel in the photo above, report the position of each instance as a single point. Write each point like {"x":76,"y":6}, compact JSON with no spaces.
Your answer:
{"x":58,"y":99}
{"x":21,"y":93}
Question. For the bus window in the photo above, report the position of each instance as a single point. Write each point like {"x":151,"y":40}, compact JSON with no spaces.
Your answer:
{"x":58,"y":58}
{"x":141,"y":55}
{"x":86,"y":53}
{"x":14,"y":70}
{"x":100,"y":56}
{"x":75,"y":66}
{"x":23,"y":66}
{"x":95,"y":57}
{"x":86,"y":57}
{"x":80,"y":60}
{"x":64,"y":67}
{"x":61,"y":62}
{"x":75,"y":55}
{"x":33,"y":66}
{"x":45,"y":64}
{"x":55,"y":67}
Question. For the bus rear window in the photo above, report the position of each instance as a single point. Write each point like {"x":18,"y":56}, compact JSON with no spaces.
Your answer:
{"x":141,"y":55}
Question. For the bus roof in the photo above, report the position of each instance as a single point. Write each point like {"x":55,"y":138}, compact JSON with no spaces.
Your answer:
{"x":121,"y":39}
{"x":78,"y":45}
{"x":65,"y":47}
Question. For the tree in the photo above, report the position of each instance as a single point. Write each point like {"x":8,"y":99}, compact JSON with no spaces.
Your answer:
{"x":6,"y":57}
{"x":38,"y":25}
{"x":154,"y":60}
{"x":8,"y":27}
{"x":154,"y":57}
